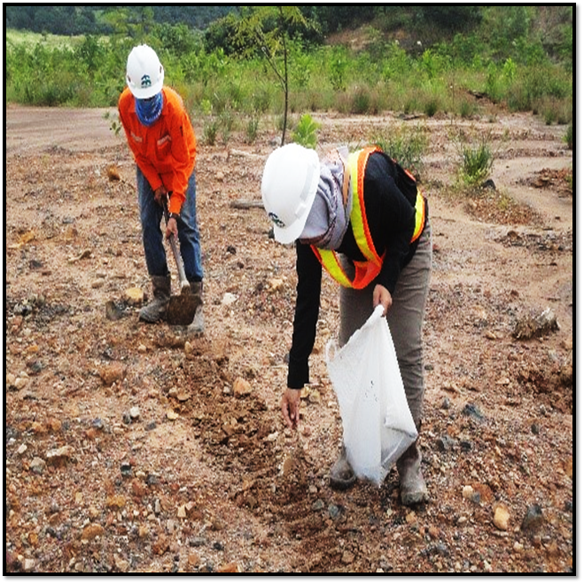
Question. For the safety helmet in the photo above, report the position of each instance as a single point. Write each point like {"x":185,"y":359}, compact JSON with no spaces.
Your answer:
{"x":144,"y":72}
{"x":289,"y":184}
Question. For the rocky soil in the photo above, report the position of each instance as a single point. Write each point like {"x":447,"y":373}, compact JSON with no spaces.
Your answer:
{"x":131,"y":448}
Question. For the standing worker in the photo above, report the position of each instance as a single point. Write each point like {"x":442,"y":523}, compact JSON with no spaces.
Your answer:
{"x":363,"y":219}
{"x":162,"y":140}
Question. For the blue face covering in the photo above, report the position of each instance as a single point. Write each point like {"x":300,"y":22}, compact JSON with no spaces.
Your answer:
{"x":149,"y":110}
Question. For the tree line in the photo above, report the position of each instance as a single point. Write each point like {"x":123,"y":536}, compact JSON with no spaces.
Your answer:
{"x":508,"y":26}
{"x":93,"y":19}
{"x":70,"y":20}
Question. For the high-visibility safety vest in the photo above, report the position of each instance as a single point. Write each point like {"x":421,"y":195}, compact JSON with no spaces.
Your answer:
{"x":365,"y":271}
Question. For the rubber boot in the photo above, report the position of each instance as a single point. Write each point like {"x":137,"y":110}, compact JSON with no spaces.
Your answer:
{"x":342,"y":476}
{"x":197,"y":327}
{"x":411,"y":482}
{"x":156,"y":309}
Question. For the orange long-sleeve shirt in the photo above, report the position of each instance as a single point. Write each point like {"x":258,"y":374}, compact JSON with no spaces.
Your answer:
{"x":165,"y":152}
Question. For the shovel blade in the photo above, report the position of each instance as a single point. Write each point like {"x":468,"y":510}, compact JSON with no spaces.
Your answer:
{"x":181,"y":309}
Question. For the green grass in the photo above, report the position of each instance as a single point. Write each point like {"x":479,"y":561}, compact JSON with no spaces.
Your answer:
{"x":405,"y":145}
{"x":57,"y":70}
{"x":30,"y":39}
{"x":476,"y":162}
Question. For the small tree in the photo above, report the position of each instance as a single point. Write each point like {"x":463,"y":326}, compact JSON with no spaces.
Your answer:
{"x":305,"y":133}
{"x":265,"y":28}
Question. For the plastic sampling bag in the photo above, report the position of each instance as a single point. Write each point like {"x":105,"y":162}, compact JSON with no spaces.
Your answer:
{"x":377,"y":424}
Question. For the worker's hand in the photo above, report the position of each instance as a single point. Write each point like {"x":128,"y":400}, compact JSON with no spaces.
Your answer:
{"x":382,"y":296}
{"x":171,"y":228}
{"x":290,"y":407}
{"x":160,"y":195}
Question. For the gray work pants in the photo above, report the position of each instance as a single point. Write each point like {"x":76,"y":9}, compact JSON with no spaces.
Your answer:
{"x":405,"y":318}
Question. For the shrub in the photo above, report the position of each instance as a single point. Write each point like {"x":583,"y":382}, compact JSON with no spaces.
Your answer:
{"x":405,"y":145}
{"x":568,"y":137}
{"x":115,"y":124}
{"x":261,"y":100}
{"x":305,"y":132}
{"x":476,"y":162}
{"x":360,"y":101}
{"x":226,"y":122}
{"x":467,"y":109}
{"x":396,"y":62}
{"x":251,"y":130}
{"x":337,"y":72}
{"x":535,"y":84}
{"x":411,"y":103}
{"x":210,"y":129}
{"x":431,"y":107}
{"x":494,"y":86}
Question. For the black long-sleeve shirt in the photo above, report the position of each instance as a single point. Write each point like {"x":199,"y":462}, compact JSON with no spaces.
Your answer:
{"x":391,"y":217}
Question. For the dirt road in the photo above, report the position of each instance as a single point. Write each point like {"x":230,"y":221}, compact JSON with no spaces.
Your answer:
{"x":130,"y":450}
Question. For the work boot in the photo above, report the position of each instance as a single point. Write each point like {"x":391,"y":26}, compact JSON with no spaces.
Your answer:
{"x":197,"y":327}
{"x":411,"y":482}
{"x":342,"y":476}
{"x":156,"y":310}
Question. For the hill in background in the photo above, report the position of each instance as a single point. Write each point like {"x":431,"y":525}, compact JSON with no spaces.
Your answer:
{"x":92,"y":19}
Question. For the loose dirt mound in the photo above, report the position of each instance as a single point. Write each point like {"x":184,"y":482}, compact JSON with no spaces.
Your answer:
{"x":558,"y":180}
{"x":131,"y":448}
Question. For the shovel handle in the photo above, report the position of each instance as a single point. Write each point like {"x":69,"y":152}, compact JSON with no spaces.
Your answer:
{"x":184,"y":283}
{"x":179,"y":264}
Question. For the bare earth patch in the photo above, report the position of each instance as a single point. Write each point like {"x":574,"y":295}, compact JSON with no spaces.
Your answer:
{"x":130,"y":448}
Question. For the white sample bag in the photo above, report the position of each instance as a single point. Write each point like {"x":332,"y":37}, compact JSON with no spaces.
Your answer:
{"x":377,"y":424}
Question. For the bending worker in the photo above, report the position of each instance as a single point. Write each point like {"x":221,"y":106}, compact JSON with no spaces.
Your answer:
{"x":363,"y":219}
{"x":162,"y":140}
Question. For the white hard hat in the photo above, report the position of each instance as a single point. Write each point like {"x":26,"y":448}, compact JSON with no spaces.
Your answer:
{"x":144,"y":72}
{"x":289,"y":184}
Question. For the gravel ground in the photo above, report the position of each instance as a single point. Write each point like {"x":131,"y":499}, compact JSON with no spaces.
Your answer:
{"x":130,"y":448}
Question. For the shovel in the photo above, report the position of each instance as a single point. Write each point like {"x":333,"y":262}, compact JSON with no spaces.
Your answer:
{"x":181,"y":309}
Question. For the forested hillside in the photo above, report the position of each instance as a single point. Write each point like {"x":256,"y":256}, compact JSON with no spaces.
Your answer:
{"x":96,"y":19}
{"x":550,"y":24}
{"x":93,"y":19}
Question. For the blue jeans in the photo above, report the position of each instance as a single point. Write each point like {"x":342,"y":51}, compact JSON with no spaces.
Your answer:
{"x":152,"y":234}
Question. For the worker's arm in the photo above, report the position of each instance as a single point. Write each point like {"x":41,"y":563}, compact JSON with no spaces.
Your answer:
{"x":391,"y":219}
{"x":136,"y":141}
{"x":183,"y":152}
{"x":309,"y":273}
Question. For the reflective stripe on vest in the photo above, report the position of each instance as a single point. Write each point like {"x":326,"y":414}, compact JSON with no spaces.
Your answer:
{"x":420,"y":216}
{"x":357,"y":163}
{"x":365,"y":271}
